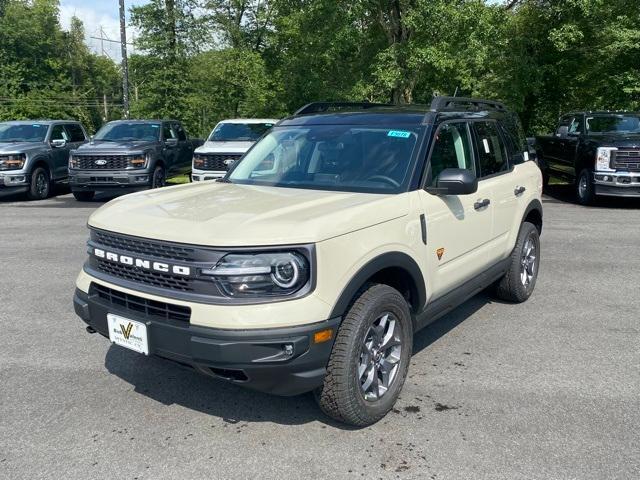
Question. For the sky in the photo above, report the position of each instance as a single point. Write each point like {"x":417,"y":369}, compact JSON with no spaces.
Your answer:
{"x":98,"y":14}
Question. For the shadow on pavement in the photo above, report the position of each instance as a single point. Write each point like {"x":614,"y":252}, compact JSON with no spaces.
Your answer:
{"x":169,"y":384}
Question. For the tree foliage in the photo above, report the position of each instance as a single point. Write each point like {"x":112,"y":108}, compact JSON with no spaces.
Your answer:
{"x":203,"y":60}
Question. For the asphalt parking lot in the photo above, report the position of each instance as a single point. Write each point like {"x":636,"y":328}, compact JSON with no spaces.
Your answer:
{"x":549,"y":389}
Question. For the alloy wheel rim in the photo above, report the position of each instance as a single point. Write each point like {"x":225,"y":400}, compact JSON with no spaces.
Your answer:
{"x":582,"y":186}
{"x":380,"y":357}
{"x":528,"y":262}
{"x":159,"y":180}
{"x":41,"y":184}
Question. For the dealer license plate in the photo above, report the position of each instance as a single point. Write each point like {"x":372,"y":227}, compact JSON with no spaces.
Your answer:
{"x":128,"y":333}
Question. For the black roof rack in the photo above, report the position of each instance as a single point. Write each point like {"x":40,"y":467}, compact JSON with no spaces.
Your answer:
{"x":318,"y":107}
{"x":444,"y":103}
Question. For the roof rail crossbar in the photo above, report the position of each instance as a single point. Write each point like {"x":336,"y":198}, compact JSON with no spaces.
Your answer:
{"x":317,"y":107}
{"x":442,"y":102}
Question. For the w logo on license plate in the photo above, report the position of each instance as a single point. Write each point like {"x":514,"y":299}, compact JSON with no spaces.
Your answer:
{"x":126,"y":331}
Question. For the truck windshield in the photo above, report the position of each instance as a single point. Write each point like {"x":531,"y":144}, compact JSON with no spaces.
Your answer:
{"x":239,"y":132}
{"x":22,"y":133}
{"x":331,"y":157}
{"x":117,"y":132}
{"x":613,"y":124}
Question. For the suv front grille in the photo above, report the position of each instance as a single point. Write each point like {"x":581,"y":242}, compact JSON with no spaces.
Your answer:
{"x":138,"y":275}
{"x":215,"y":162}
{"x":112,"y":162}
{"x":627,"y":160}
{"x":133,"y":303}
{"x":143,"y":246}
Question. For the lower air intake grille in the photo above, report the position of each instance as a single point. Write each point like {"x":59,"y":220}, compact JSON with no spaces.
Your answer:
{"x":136,"y":304}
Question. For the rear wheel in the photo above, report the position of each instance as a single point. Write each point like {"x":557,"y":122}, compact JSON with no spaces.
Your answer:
{"x":370,"y":358}
{"x":585,"y":191}
{"x":40,"y":186}
{"x":84,"y":195}
{"x":159,"y":177}
{"x":518,"y":283}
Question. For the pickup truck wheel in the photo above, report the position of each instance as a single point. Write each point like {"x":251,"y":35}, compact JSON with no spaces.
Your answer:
{"x":158,"y":180}
{"x":370,"y":358}
{"x":84,"y":195}
{"x":518,"y":283}
{"x":585,"y":191}
{"x":40,"y":186}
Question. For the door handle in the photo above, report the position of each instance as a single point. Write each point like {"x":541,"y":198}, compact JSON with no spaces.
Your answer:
{"x":519,"y":190}
{"x":481,"y":204}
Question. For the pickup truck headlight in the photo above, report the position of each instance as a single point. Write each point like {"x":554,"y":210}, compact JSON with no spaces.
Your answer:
{"x":12,"y":162}
{"x":138,"y":161}
{"x":273,"y":274}
{"x":198,"y":161}
{"x":603,"y":159}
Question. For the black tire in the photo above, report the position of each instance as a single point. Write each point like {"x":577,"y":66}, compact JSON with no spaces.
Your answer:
{"x":513,"y":287}
{"x":159,"y":179}
{"x":40,"y":187}
{"x":84,"y":195}
{"x":585,"y":190}
{"x":341,"y":396}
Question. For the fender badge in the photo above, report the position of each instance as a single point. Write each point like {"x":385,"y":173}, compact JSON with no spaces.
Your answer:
{"x":440,"y":252}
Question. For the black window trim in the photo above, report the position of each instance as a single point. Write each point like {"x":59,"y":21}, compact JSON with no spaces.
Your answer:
{"x":426,"y":176}
{"x":510,"y":165}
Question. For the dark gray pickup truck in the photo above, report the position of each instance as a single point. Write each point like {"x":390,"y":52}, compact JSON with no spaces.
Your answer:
{"x":34,"y":155}
{"x":130,"y":155}
{"x":599,"y":152}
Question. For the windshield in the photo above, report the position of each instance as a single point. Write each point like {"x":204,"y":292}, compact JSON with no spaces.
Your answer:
{"x":120,"y":131}
{"x":22,"y":133}
{"x":239,"y":132}
{"x":613,"y":124}
{"x":330,"y":157}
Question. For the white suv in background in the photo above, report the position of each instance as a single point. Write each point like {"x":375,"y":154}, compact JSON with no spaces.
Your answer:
{"x":228,"y":141}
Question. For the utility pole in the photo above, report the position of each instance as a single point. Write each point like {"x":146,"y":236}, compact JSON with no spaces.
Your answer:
{"x":125,"y":66}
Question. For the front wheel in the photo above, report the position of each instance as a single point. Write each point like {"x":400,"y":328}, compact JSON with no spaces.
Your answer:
{"x":40,"y":186}
{"x":370,"y":358}
{"x":518,"y":283}
{"x":159,"y":178}
{"x":585,"y":191}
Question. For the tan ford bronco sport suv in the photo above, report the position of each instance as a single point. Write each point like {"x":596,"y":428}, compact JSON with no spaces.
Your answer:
{"x":312,"y":263}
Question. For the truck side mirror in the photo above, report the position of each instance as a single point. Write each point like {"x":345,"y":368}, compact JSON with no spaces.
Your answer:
{"x":563,"y":131}
{"x":455,"y":181}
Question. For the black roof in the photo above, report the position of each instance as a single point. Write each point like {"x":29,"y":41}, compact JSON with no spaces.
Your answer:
{"x":365,"y":113}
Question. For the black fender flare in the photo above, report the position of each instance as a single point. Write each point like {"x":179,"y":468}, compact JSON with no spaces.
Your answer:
{"x":386,"y":260}
{"x":42,"y":159}
{"x":534,"y":205}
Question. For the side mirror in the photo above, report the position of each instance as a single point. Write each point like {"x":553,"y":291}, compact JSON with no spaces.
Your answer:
{"x":455,"y":181}
{"x":562,"y":131}
{"x":59,"y":143}
{"x":171,"y":142}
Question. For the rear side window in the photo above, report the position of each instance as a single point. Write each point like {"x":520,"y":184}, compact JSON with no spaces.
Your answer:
{"x":451,"y":150}
{"x":492,"y":155}
{"x":75,"y":132}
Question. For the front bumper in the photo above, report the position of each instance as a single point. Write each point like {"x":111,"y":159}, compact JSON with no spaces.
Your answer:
{"x":13,"y":183}
{"x":109,"y":180}
{"x":281,"y":361}
{"x":202,"y":175}
{"x":617,"y":184}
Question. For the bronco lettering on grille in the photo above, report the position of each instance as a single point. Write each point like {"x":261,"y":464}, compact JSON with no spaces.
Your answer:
{"x":141,"y":263}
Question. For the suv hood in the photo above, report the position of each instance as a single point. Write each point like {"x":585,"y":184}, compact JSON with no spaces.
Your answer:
{"x":116,"y":147}
{"x":229,"y":215}
{"x":20,"y":147}
{"x":224,"y":147}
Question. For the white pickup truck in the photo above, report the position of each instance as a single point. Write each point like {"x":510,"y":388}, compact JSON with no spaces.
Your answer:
{"x":228,"y":142}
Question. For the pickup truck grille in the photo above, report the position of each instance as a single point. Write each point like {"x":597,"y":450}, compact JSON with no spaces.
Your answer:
{"x":102,"y":162}
{"x":133,"y":303}
{"x":627,"y":160}
{"x":204,"y":161}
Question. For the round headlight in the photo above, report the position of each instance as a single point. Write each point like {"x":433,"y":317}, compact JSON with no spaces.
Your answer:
{"x":286,"y":273}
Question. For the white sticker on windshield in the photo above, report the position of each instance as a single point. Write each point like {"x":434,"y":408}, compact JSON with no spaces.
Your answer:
{"x":526,"y":156}
{"x":155,"y":126}
{"x":485,"y":142}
